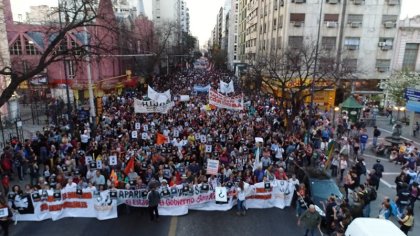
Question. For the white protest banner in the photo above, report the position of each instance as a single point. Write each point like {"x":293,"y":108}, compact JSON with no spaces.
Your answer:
{"x":4,"y":212}
{"x":279,"y":195}
{"x":141,"y":106}
{"x":70,"y":203}
{"x":208,"y":148}
{"x":226,"y":87}
{"x":221,"y":101}
{"x":134,"y":134}
{"x":212,"y":167}
{"x":99,"y":164}
{"x":184,"y":98}
{"x":221,"y":194}
{"x":137,"y":126}
{"x":158,"y":97}
{"x":113,"y":160}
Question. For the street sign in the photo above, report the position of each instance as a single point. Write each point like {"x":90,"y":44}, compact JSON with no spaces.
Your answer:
{"x":412,"y":94}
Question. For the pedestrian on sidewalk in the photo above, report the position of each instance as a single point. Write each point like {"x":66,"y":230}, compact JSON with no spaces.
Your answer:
{"x":154,"y":198}
{"x":416,"y":129}
{"x":376,"y":134}
{"x":363,"y":141}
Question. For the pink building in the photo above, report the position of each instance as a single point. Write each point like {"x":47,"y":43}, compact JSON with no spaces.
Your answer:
{"x":27,"y":44}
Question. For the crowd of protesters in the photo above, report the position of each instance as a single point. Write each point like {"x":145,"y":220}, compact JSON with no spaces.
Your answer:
{"x":55,"y":158}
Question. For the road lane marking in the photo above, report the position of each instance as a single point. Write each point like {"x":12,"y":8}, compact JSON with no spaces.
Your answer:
{"x":388,"y":184}
{"x":385,"y":130}
{"x":172,"y":226}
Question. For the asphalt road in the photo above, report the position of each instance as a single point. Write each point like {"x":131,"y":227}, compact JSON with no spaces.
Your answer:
{"x":256,"y":222}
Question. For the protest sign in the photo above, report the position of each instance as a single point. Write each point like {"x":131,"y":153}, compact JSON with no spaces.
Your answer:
{"x":88,"y":159}
{"x":221,"y":194}
{"x":221,"y":101}
{"x":134,"y":134}
{"x":137,"y":126}
{"x":141,"y":106}
{"x":201,"y":89}
{"x":212,"y":167}
{"x":208,"y":148}
{"x":99,"y":164}
{"x":4,"y":212}
{"x":184,"y":98}
{"x":113,"y":160}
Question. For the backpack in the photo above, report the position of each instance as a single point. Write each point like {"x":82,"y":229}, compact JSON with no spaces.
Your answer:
{"x":372,"y":194}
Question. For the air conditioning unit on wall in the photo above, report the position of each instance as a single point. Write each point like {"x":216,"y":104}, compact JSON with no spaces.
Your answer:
{"x":297,"y":24}
{"x":389,"y":24}
{"x":332,"y":24}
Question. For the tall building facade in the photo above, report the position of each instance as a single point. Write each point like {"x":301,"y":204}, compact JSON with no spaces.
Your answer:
{"x":232,"y":35}
{"x":360,"y":31}
{"x":407,"y":45}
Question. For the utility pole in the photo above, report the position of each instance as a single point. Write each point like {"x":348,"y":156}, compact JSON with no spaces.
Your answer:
{"x":90,"y":87}
{"x":311,"y":105}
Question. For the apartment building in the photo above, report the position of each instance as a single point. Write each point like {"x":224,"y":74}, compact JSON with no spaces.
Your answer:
{"x":360,"y":32}
{"x":407,"y":44}
{"x":232,"y":34}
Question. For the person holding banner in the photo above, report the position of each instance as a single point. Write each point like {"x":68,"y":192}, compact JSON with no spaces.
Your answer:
{"x":240,"y":195}
{"x":5,"y":216}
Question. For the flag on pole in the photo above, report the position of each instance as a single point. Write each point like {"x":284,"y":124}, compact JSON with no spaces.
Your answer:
{"x":160,"y":139}
{"x":130,"y":165}
{"x":226,"y":87}
{"x":114,"y":179}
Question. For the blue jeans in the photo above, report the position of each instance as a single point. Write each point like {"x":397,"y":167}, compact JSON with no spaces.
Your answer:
{"x":312,"y":231}
{"x":362,"y":147}
{"x":375,"y":141}
{"x":240,"y":205}
{"x":366,"y":210}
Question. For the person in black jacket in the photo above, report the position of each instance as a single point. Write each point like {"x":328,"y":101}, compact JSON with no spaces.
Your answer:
{"x":379,"y":169}
{"x":154,"y":198}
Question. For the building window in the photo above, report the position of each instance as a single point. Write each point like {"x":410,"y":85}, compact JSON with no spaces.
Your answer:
{"x":299,"y":1}
{"x":297,"y":17}
{"x":279,"y":43}
{"x":355,"y":20}
{"x":280,"y":23}
{"x":350,"y":65}
{"x":383,"y":65}
{"x":71,"y":72}
{"x":326,"y":64}
{"x":328,"y":43}
{"x":393,"y":2}
{"x":410,"y":56}
{"x":389,"y":21}
{"x":352,"y":43}
{"x":274,"y":24}
{"x":16,"y":48}
{"x":30,"y":48}
{"x":295,"y":42}
{"x":385,"y":43}
{"x":331,"y":18}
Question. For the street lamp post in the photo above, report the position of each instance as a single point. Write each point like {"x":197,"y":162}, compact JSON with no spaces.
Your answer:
{"x":336,"y":109}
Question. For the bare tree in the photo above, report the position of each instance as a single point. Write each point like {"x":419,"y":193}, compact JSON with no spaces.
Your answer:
{"x":291,"y":74}
{"x":74,"y":17}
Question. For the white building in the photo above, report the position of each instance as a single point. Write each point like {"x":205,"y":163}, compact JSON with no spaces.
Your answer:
{"x":232,"y":37}
{"x":123,"y":9}
{"x":360,"y":31}
{"x":406,"y":53}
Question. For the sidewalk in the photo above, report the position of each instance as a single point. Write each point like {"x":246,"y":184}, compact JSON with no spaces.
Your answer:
{"x":383,"y":124}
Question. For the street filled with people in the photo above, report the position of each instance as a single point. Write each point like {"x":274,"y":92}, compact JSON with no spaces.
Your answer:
{"x":171,"y":149}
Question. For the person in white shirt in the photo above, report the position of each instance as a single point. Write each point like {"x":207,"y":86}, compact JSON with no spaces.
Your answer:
{"x":294,"y":180}
{"x":70,"y":185}
{"x":84,"y":140}
{"x":240,"y":194}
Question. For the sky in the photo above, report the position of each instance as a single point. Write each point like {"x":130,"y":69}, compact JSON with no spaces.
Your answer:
{"x":202,"y":12}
